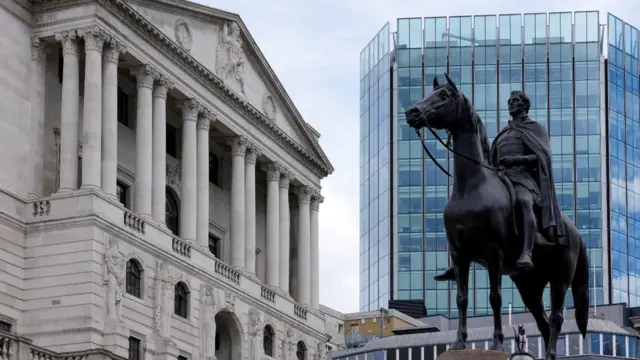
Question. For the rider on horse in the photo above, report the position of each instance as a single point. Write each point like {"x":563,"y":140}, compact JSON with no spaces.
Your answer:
{"x":522,"y":152}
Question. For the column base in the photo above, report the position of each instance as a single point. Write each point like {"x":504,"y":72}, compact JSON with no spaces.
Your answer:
{"x":90,"y":187}
{"x":113,"y":197}
{"x":63,"y":192}
{"x":33,"y":196}
{"x":116,"y":337}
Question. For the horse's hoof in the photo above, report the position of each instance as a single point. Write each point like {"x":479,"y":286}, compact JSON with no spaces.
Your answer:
{"x":458,"y":345}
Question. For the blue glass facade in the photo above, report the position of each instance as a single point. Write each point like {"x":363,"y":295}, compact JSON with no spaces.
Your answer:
{"x":583,"y":90}
{"x":624,"y":161}
{"x":375,"y":172}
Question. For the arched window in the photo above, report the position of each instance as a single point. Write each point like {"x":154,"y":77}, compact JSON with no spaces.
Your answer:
{"x":172,"y":216}
{"x":134,"y":278}
{"x":268,"y":339}
{"x":301,"y":351}
{"x":181,"y":300}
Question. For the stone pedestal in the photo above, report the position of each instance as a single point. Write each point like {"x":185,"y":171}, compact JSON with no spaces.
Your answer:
{"x":116,"y":338}
{"x":473,"y":355}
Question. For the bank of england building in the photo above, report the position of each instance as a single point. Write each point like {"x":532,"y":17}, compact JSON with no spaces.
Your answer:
{"x":160,"y":192}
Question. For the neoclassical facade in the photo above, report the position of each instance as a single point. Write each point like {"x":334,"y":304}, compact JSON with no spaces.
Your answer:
{"x":160,"y":193}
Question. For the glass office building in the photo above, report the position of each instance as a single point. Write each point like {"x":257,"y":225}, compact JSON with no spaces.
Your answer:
{"x":580,"y":71}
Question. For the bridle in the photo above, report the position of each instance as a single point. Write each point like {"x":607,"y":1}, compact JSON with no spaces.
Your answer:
{"x":447,"y":145}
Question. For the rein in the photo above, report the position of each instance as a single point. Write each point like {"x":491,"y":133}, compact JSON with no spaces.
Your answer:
{"x":447,"y":145}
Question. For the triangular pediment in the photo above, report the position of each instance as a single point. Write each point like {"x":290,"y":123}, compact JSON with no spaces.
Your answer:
{"x":220,"y":41}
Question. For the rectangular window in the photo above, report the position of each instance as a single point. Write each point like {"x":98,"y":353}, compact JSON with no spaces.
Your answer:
{"x":182,"y":357}
{"x":134,"y":348}
{"x":172,"y":141}
{"x":122,"y":192}
{"x":60,"y":64}
{"x":123,"y":107}
{"x":214,"y":172}
{"x":5,"y":326}
{"x":214,"y":245}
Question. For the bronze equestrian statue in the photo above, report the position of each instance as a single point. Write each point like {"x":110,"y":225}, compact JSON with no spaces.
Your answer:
{"x":503,"y":214}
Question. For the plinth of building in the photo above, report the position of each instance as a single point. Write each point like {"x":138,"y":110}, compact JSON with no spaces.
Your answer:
{"x":474,"y":354}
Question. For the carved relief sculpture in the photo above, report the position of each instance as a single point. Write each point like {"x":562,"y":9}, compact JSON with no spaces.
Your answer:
{"x":174,"y":175}
{"x":255,"y":335}
{"x":115,"y":267}
{"x":164,"y":301}
{"x":288,"y":345}
{"x":209,"y":308}
{"x":230,"y":301}
{"x":230,"y":58}
{"x":321,"y":352}
{"x":182,"y":33}
{"x":269,"y":107}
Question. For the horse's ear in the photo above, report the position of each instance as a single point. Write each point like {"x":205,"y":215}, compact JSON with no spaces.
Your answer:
{"x":450,"y":82}
{"x":435,"y":82}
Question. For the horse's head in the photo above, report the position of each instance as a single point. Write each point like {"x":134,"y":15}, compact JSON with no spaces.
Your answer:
{"x":440,"y":109}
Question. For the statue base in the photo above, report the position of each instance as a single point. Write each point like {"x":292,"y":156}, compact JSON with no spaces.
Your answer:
{"x":473,"y":354}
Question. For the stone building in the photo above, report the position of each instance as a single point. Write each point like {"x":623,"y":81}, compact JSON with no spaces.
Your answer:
{"x":160,"y":191}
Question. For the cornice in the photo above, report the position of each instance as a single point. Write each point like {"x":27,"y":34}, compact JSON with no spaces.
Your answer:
{"x":171,"y":49}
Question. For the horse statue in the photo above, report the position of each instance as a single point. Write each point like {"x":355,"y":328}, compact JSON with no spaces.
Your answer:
{"x":482,"y":226}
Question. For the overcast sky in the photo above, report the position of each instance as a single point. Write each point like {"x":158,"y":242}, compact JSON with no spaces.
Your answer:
{"x":314,"y":48}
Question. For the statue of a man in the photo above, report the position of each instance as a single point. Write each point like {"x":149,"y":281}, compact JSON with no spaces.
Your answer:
{"x":209,"y":323}
{"x":230,"y":59}
{"x":288,"y":345}
{"x":164,"y":300}
{"x":522,"y":151}
{"x":321,"y":352}
{"x":114,"y":277}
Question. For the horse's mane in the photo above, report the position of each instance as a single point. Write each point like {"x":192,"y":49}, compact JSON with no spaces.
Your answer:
{"x":479,"y":125}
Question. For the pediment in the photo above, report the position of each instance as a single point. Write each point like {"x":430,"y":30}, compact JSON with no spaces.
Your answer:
{"x":220,"y":41}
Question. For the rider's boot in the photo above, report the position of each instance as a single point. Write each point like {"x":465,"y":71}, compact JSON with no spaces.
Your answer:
{"x":447,"y":275}
{"x":525,"y":262}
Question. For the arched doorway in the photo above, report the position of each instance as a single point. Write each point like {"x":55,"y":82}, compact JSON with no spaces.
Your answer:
{"x":229,"y":341}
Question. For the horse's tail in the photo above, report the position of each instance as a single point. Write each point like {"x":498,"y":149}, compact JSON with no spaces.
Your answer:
{"x":580,"y":289}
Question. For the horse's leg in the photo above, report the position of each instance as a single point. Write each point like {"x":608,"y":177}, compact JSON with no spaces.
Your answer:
{"x":531,"y":290}
{"x":494,"y":268}
{"x":461,"y":266}
{"x":558,"y":292}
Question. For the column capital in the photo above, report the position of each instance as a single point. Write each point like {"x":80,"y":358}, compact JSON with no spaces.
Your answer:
{"x":190,"y":109}
{"x":68,"y":40}
{"x":239,"y":145}
{"x":207,"y":117}
{"x":273,"y":170}
{"x":145,"y":75}
{"x":38,"y":49}
{"x":253,"y":152}
{"x":113,"y":49}
{"x":93,"y":36}
{"x":162,"y":86}
{"x":304,"y":194}
{"x":285,"y":178}
{"x":316,"y":200}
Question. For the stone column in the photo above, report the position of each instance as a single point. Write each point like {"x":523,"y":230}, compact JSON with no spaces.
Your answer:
{"x":188,"y":194}
{"x":304,"y":246}
{"x":238,"y":151}
{"x":37,"y":102}
{"x":112,"y":51}
{"x":316,"y":200}
{"x":69,"y":112}
{"x":273,"y":225}
{"x":145,"y":77}
{"x":285,"y":231}
{"x":159,"y":180}
{"x":250,"y":208}
{"x":202,"y":233}
{"x":92,"y":110}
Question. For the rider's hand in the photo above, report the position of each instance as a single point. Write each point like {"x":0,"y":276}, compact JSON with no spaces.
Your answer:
{"x":509,"y":161}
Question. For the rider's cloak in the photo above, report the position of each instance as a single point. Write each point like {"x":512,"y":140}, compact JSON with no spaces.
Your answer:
{"x":536,"y":139}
